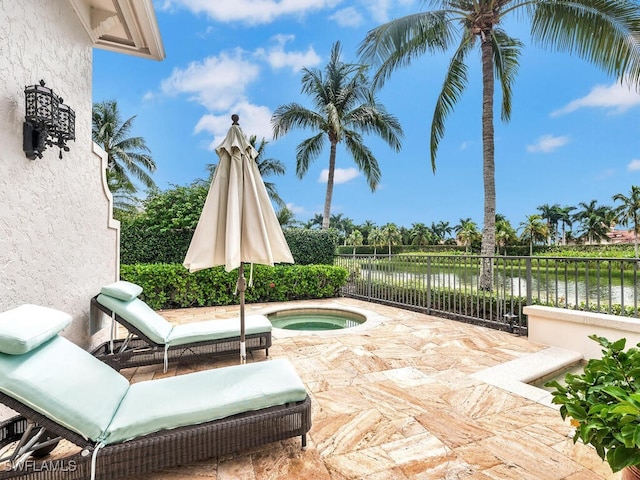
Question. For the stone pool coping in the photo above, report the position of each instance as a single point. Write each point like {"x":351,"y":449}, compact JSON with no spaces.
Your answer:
{"x":516,"y":375}
{"x":372,"y":320}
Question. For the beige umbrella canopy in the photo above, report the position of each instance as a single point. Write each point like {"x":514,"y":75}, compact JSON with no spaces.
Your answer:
{"x":237,"y":223}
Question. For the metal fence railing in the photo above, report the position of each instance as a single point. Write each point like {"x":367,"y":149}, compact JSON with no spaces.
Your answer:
{"x":450,"y":285}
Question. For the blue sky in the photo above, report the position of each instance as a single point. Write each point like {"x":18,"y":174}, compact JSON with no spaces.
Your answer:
{"x":573,"y":135}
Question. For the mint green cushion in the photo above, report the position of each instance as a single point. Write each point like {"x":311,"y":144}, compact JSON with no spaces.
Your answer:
{"x":28,"y":326}
{"x":66,"y":384}
{"x":140,"y":315}
{"x":216,"y":329}
{"x":122,"y":290}
{"x":200,"y":397}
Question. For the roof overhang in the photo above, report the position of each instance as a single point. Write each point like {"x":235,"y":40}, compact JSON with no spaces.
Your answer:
{"x":125,"y":26}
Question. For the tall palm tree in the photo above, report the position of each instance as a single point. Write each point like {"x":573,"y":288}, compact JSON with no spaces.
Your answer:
{"x":124,"y":197}
{"x":505,"y":233}
{"x":342,"y":224}
{"x":441,"y":230}
{"x":355,"y":239}
{"x":266,"y":167}
{"x":376,"y":238}
{"x":551,"y":214}
{"x":533,"y":230}
{"x":420,"y":234}
{"x":391,"y":235}
{"x":286,"y":217}
{"x":315,"y":221}
{"x":467,"y":232}
{"x":564,"y":217}
{"x":568,"y":26}
{"x":595,"y":220}
{"x":628,"y":212}
{"x":345,"y":107}
{"x":127,"y":157}
{"x":366,"y":228}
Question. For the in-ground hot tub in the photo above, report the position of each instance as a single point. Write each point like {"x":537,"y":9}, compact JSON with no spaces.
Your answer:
{"x":315,"y":319}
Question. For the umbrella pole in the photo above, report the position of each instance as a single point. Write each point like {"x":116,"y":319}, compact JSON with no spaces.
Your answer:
{"x":242,"y":286}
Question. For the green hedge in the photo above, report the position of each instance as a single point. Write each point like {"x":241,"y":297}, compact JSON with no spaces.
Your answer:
{"x":144,"y":245}
{"x":172,"y":286}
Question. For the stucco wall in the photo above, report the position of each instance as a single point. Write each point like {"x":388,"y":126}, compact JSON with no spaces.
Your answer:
{"x":58,"y":243}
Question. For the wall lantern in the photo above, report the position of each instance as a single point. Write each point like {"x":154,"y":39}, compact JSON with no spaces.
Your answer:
{"x":48,"y":121}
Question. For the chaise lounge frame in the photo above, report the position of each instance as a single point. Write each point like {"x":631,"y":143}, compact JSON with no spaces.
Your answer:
{"x":139,"y":350}
{"x":157,"y":451}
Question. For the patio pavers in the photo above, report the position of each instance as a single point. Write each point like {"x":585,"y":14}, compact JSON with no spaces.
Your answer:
{"x":397,"y":401}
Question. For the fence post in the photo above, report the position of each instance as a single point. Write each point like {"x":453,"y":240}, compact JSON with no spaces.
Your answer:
{"x":428,"y":284}
{"x":529,"y":281}
{"x":370,"y":267}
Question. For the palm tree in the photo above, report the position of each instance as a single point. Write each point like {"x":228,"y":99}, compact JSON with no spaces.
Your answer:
{"x":345,"y":107}
{"x":420,"y":234}
{"x":355,"y":238}
{"x":375,"y":238}
{"x":285,"y":217}
{"x":533,"y":230}
{"x":266,"y":167}
{"x":550,"y":213}
{"x":366,"y":228}
{"x":567,"y":26}
{"x":628,"y":213}
{"x":505,"y":233}
{"x":124,"y":197}
{"x":126,"y":156}
{"x":467,"y":232}
{"x":391,"y":235}
{"x":595,"y":220}
{"x":564,"y":217}
{"x":441,"y":230}
{"x":315,"y":221}
{"x":342,"y":224}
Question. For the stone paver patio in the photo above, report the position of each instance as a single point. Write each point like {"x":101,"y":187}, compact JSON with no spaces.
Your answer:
{"x":397,"y":400}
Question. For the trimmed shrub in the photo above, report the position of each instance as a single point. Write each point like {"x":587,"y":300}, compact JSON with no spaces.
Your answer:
{"x":172,"y":286}
{"x":139,"y":244}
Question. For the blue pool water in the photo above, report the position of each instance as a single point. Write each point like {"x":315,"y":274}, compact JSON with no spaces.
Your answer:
{"x":315,"y":319}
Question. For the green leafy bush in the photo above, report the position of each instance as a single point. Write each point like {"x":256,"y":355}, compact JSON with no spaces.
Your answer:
{"x":172,"y":286}
{"x":140,"y":243}
{"x":310,"y":247}
{"x":604,"y":403}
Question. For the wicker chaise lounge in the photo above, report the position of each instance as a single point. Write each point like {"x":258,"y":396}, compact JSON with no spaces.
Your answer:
{"x":120,"y":429}
{"x":152,"y":339}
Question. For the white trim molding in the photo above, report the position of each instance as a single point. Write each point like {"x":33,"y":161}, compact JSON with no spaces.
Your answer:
{"x":124,"y":26}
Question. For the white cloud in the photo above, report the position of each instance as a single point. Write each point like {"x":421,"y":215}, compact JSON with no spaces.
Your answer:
{"x":254,"y":120}
{"x":634,"y":165}
{"x":340,"y":175}
{"x":547,"y":144}
{"x":250,"y":11}
{"x":616,"y":98}
{"x":149,"y":96}
{"x":296,"y":209}
{"x":380,"y":9}
{"x":347,"y":17}
{"x":277,"y":57}
{"x":464,"y":145}
{"x":216,"y":82}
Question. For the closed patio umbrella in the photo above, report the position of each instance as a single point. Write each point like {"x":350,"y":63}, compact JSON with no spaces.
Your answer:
{"x":237,"y":223}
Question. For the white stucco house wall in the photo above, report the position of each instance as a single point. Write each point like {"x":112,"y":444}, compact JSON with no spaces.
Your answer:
{"x":58,"y":241}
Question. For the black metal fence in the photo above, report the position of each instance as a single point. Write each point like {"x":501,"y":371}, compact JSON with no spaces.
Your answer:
{"x":450,"y":285}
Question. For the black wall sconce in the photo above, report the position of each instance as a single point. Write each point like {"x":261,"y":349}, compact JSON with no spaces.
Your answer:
{"x":48,"y":121}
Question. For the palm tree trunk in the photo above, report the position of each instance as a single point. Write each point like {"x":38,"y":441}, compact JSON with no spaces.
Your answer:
{"x":326,"y":215}
{"x":488,"y":167}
